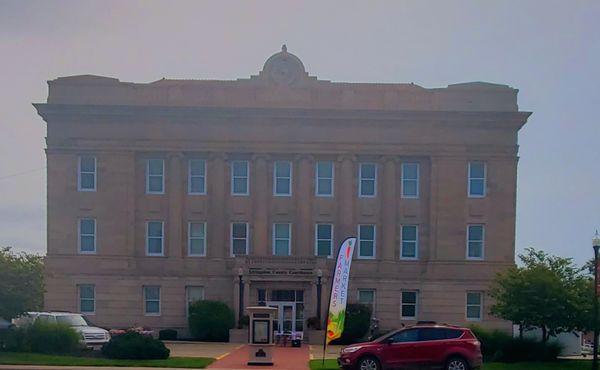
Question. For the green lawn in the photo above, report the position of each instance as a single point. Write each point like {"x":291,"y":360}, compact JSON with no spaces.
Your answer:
{"x":559,"y":365}
{"x":14,"y":358}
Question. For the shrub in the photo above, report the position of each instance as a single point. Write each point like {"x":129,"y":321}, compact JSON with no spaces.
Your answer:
{"x":167,"y":334}
{"x":210,"y":321}
{"x":499,"y":346}
{"x":44,"y":338}
{"x":135,"y":346}
{"x":356,"y":324}
{"x":244,"y":321}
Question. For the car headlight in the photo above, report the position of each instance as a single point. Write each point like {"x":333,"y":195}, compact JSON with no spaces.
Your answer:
{"x":106,"y":336}
{"x":351,"y":349}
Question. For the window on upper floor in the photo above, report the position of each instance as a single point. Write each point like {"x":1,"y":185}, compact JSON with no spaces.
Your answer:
{"x":87,"y":235}
{"x":367,"y":184}
{"x":86,"y":173}
{"x":155,"y":231}
{"x":282,"y":178}
{"x":474,"y":306}
{"x":323,"y":240}
{"x":239,"y":238}
{"x":324,"y":179}
{"x":409,"y":244}
{"x":477,"y":180}
{"x":475,"y":241}
{"x":87,"y":298}
{"x":366,"y":241}
{"x":197,"y":239}
{"x":152,"y":300}
{"x":408,"y":304}
{"x":282,"y":239}
{"x":410,"y":180}
{"x":239,"y":178}
{"x":155,"y":179}
{"x":197,"y":176}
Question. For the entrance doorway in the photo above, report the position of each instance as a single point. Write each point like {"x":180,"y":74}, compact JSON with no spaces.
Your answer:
{"x":290,"y":305}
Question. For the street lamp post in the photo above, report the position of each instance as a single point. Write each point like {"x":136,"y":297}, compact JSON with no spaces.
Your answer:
{"x":319,"y":286}
{"x":241,"y":307}
{"x":596,"y":245}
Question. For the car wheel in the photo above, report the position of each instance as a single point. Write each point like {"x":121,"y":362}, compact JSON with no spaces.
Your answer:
{"x":457,"y":363}
{"x":368,"y":363}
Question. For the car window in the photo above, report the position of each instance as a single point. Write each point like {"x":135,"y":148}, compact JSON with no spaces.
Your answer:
{"x":46,"y":318}
{"x":432,"y":334}
{"x":410,"y":335}
{"x":71,"y":320}
{"x":453,"y":333}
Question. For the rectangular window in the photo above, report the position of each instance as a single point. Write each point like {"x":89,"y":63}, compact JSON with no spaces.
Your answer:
{"x":239,"y":178}
{"x":86,"y":174}
{"x":324,"y":179}
{"x":87,"y":299}
{"x":281,"y":239}
{"x":197,"y":238}
{"x":475,"y":241}
{"x":474,"y":306}
{"x":409,"y":244}
{"x":155,"y":179}
{"x":282,"y":178}
{"x":87,"y":235}
{"x":239,"y":239}
{"x":152,"y":300}
{"x":367,"y":297}
{"x":323,"y":240}
{"x":197,"y":176}
{"x":367,"y":185}
{"x":409,"y":304}
{"x":155,"y":231}
{"x":366,"y":241}
{"x":476,"y":185}
{"x":193,"y":294}
{"x":410,"y":180}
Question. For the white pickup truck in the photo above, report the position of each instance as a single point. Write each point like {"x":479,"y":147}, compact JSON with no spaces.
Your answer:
{"x":91,"y":336}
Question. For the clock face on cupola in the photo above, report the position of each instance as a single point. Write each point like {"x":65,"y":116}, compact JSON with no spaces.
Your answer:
{"x":284,"y":68}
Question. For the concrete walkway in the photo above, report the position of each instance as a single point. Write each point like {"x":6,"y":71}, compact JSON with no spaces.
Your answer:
{"x":287,"y":358}
{"x":201,"y":349}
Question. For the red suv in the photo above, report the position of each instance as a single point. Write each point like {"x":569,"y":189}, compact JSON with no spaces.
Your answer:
{"x":440,"y":346}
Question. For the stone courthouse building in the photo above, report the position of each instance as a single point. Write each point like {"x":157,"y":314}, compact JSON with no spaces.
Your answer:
{"x":163,"y":193}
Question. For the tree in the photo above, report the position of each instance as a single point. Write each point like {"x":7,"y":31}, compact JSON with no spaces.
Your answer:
{"x":21,"y":283}
{"x":548,"y":292}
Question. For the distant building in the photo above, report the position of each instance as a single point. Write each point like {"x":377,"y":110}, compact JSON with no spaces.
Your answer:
{"x":162,"y":193}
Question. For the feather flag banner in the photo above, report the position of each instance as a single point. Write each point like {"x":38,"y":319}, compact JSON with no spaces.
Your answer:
{"x":339,"y":291}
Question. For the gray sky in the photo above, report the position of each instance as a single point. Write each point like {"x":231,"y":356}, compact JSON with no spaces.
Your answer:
{"x":550,"y":50}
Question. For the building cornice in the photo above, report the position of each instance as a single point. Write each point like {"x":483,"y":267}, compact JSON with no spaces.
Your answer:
{"x":52,"y":112}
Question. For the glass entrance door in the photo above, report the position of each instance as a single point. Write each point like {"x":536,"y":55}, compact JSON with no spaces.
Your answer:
{"x":286,"y":314}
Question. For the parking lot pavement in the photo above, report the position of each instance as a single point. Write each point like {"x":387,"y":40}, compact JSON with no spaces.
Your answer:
{"x":200,"y":349}
{"x":316,"y":351}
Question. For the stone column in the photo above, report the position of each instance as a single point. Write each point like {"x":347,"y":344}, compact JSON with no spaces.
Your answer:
{"x":260,"y":206}
{"x":388,"y":209}
{"x":346,"y":189}
{"x":218,"y":241}
{"x":175,"y":190}
{"x":303,"y":199}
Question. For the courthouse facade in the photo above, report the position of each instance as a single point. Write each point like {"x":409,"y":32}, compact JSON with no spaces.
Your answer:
{"x":163,"y":193}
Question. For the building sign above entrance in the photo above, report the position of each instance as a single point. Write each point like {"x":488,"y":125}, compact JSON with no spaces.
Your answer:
{"x":280,"y":271}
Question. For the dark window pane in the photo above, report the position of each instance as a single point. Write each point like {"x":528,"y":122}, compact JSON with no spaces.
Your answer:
{"x":325,"y":187}
{"x":197,"y":167}
{"x":87,"y":305}
{"x":409,"y":311}
{"x":475,"y":232}
{"x":473,"y":312}
{"x":155,"y":167}
{"x":240,"y":169}
{"x":87,"y":244}
{"x":366,"y":248}
{"x":477,"y":170}
{"x":409,"y":188}
{"x":87,"y":227}
{"x":155,"y":229}
{"x":239,"y":247}
{"x":476,"y":187}
{"x":453,"y":333}
{"x":88,"y":164}
{"x":323,"y":231}
{"x":155,"y":184}
{"x":87,"y":180}
{"x":197,"y":185}
{"x":409,"y":249}
{"x":474,"y":298}
{"x":240,"y":186}
{"x":409,"y":297}
{"x":432,"y":334}
{"x":282,"y":186}
{"x":282,"y":169}
{"x":409,"y":233}
{"x":367,"y":187}
{"x":239,"y":230}
{"x":409,"y":171}
{"x":410,"y":335}
{"x":325,"y":169}
{"x":367,"y":171}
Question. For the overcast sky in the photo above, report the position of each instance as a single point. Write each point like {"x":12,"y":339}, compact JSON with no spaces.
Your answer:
{"x":549,"y":50}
